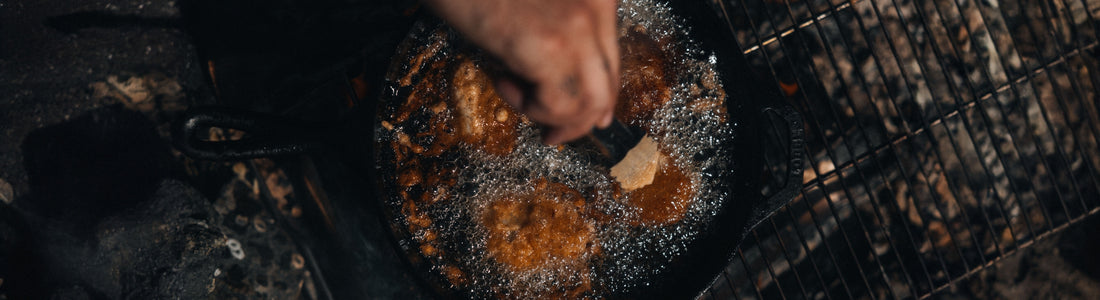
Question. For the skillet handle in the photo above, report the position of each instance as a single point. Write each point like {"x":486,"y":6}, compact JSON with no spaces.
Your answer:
{"x":783,"y":151}
{"x":265,"y":135}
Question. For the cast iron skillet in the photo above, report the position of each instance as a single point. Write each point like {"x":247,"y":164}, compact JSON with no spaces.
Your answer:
{"x":757,"y":113}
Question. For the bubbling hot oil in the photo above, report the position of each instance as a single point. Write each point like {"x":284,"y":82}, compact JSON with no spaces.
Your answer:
{"x":694,"y":132}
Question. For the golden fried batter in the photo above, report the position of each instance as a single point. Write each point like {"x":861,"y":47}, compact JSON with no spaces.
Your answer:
{"x":482,"y":118}
{"x":528,"y":231}
{"x":646,"y":85}
{"x":452,"y":102}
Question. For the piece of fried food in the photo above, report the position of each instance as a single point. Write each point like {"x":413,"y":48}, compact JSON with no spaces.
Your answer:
{"x":645,"y":77}
{"x":545,"y":226}
{"x":666,"y":200}
{"x":453,"y":102}
{"x":482,"y":118}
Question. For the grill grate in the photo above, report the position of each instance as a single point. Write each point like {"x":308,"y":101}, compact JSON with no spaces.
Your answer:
{"x":943,"y":136}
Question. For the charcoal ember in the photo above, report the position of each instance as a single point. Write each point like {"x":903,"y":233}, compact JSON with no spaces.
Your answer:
{"x":164,"y":248}
{"x":173,"y":242}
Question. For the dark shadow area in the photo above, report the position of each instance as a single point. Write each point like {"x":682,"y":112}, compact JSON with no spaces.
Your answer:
{"x":1080,"y":246}
{"x":72,"y":23}
{"x":274,"y":56}
{"x":17,"y":260}
{"x":95,"y":165}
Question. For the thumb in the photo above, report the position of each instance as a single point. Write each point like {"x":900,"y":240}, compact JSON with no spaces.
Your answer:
{"x":509,"y":90}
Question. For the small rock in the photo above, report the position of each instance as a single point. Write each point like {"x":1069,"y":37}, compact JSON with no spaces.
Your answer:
{"x":241,"y":170}
{"x":6,"y":194}
{"x":259,"y":224}
{"x":241,"y":220}
{"x":297,"y":261}
{"x":235,"y":248}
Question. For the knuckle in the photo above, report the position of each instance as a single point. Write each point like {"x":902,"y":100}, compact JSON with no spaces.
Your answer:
{"x":557,"y":108}
{"x":554,"y":42}
{"x":537,"y":48}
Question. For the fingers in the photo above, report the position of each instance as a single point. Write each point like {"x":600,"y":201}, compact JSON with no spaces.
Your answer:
{"x":566,"y":71}
{"x":590,"y":107}
{"x":607,"y":26}
{"x":606,"y":119}
{"x":558,"y":135}
{"x":606,"y":40}
{"x":510,"y":91}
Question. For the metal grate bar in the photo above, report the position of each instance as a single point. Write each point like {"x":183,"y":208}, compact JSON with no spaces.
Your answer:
{"x":865,"y":87}
{"x":1043,"y":157}
{"x":772,"y":220}
{"x":787,"y":256}
{"x":730,"y":286}
{"x":844,"y":234}
{"x":872,"y":201}
{"x":1088,"y":16}
{"x":755,"y":283}
{"x":938,"y":120}
{"x":1023,"y":246}
{"x":985,"y":119}
{"x":736,"y":296}
{"x":1010,"y":140}
{"x":936,"y":198}
{"x":1000,"y":204}
{"x":832,"y":206}
{"x":1063,"y":58}
{"x":896,"y":55}
{"x":781,"y":251}
{"x":806,"y":248}
{"x":820,"y":232}
{"x":1044,"y":113}
{"x":897,"y":161}
{"x":879,"y":215}
{"x":886,"y":183}
{"x":834,"y":258}
{"x":767,"y":264}
{"x":772,"y":38}
{"x":1076,"y":88}
{"x":1039,"y":70}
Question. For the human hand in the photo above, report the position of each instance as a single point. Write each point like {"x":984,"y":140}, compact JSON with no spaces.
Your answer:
{"x":563,"y":56}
